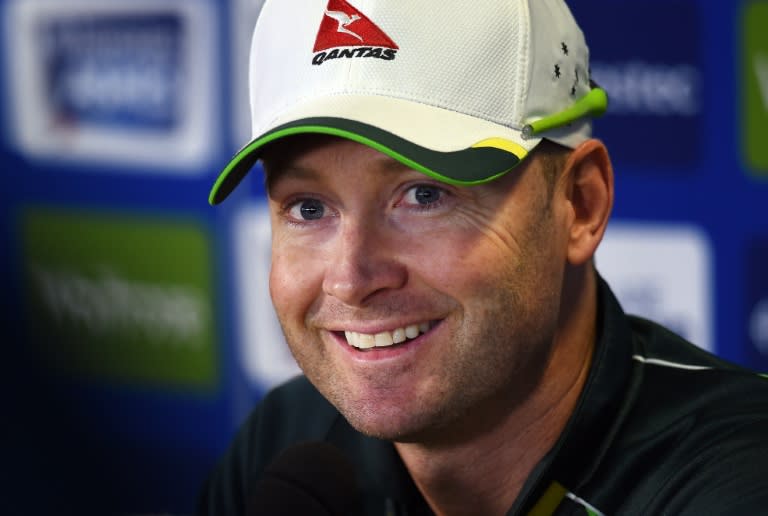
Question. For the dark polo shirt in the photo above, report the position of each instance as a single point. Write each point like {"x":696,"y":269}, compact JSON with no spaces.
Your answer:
{"x":661,"y":427}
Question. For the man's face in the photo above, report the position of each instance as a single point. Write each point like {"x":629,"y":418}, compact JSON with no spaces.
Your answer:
{"x":417,"y":308}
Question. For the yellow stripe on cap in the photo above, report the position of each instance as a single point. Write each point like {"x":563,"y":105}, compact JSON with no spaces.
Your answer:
{"x":505,"y":145}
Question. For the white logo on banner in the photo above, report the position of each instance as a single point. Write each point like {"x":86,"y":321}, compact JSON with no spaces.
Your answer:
{"x":642,"y":88}
{"x":123,"y":82}
{"x":108,"y":303}
{"x":663,"y":273}
{"x":263,"y":350}
{"x":761,"y":70}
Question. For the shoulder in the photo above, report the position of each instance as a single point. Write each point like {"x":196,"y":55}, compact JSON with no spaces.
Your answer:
{"x":688,"y":379}
{"x":679,"y":385}
{"x":694,"y":439}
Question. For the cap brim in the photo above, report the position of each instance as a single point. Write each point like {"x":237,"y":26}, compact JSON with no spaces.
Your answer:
{"x":474,"y":165}
{"x":449,"y":146}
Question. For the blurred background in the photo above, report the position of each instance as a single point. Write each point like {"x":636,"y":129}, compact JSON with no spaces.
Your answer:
{"x":137,"y":328}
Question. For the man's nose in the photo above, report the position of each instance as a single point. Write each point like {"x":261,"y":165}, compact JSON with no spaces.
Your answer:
{"x":364,"y":262}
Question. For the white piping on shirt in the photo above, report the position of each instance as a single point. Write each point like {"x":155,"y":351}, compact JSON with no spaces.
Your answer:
{"x":667,"y":363}
{"x":590,"y":508}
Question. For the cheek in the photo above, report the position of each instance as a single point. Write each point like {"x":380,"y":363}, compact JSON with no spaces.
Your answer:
{"x":278,"y":286}
{"x":487,"y":261}
{"x":292,"y":284}
{"x":463,"y":269}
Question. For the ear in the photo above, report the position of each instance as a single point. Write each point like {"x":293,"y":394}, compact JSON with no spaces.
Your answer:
{"x":589,"y":188}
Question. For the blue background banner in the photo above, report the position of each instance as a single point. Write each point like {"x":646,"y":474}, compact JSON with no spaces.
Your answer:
{"x":649,"y":57}
{"x":124,"y":110}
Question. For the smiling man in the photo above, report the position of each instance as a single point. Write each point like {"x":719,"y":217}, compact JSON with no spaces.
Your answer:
{"x":436,"y":201}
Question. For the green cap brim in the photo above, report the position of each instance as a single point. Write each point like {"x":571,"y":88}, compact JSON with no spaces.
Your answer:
{"x":470,"y":166}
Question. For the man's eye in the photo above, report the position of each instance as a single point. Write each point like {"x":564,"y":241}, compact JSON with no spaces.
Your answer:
{"x":424,"y":194}
{"x":307,"y":209}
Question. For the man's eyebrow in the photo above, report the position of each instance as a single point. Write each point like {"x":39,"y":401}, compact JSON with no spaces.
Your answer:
{"x":389,"y":163}
{"x":276,"y":171}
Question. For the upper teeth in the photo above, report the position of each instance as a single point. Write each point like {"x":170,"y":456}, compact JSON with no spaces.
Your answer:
{"x":385,"y":338}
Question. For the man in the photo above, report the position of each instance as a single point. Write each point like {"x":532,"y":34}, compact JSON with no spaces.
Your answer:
{"x":436,"y":202}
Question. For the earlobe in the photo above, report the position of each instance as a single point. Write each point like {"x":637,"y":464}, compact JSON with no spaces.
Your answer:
{"x":589,"y":174}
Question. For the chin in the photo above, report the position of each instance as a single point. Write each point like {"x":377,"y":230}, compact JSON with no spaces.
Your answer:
{"x":398,"y":427}
{"x":381,"y":424}
{"x":389,"y":432}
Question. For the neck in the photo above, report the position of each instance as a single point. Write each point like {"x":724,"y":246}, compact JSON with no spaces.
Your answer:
{"x":484,"y":473}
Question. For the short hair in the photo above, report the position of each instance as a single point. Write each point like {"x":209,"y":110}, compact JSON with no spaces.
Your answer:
{"x":553,"y":157}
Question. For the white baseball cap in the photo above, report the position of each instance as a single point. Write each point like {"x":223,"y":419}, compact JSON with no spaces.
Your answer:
{"x":461,"y":91}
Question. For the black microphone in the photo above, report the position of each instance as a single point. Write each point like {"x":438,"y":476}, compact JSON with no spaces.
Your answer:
{"x":311,"y":478}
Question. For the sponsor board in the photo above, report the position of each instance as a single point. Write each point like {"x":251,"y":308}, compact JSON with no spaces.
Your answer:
{"x":123,"y":82}
{"x":756,"y":288}
{"x":121,"y":299}
{"x":663,"y":273}
{"x":263,"y":351}
{"x":650,"y":65}
{"x":755,"y":87}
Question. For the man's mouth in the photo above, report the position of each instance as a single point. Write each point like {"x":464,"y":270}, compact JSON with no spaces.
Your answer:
{"x":387,"y":338}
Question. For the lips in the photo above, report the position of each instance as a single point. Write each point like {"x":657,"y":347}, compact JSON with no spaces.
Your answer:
{"x":386,"y":338}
